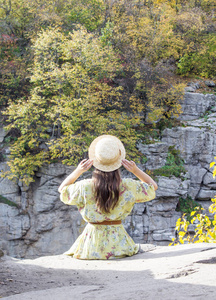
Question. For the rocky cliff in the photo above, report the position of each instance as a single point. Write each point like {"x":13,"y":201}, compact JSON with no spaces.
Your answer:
{"x":40,"y":224}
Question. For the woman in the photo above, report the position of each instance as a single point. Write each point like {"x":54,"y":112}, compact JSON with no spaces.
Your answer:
{"x":105,"y":200}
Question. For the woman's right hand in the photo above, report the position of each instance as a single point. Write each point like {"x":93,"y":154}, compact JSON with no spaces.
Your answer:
{"x":129,"y":165}
{"x":84,"y":165}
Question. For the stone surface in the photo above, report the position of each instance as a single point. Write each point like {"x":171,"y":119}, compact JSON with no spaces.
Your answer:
{"x":7,"y":187}
{"x":210,"y":83}
{"x":2,"y":134}
{"x":156,"y":154}
{"x":189,"y":89}
{"x":195,"y":144}
{"x":14,"y":225}
{"x":206,"y":194}
{"x":194,"y":105}
{"x":183,"y":272}
{"x":43,"y":225}
{"x":209,"y":181}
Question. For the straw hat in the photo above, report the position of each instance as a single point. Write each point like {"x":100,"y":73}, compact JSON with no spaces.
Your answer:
{"x":107,"y":152}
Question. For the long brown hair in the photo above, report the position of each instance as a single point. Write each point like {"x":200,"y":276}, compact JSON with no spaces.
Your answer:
{"x":106,"y":186}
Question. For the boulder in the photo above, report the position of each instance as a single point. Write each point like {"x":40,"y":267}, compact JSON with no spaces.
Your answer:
{"x":156,"y":154}
{"x":210,"y":83}
{"x":196,"y":146}
{"x":14,"y":225}
{"x":171,"y":187}
{"x":189,"y":89}
{"x":194,"y":105}
{"x":206,"y":194}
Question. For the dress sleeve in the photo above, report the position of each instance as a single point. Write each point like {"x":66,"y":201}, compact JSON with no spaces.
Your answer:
{"x":143,"y":192}
{"x":72,"y":194}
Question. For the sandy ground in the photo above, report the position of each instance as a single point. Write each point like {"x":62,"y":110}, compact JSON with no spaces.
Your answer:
{"x":180,"y":272}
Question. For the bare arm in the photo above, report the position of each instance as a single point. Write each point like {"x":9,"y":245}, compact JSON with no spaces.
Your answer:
{"x":83,"y":166}
{"x":132,"y":167}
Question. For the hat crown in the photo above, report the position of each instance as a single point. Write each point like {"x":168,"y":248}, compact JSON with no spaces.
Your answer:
{"x":106,"y":151}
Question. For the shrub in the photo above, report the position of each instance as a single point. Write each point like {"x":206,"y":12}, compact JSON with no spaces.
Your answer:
{"x":205,"y":231}
{"x":174,"y":164}
{"x":187,"y":206}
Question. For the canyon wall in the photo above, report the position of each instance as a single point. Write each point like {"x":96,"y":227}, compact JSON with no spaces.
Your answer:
{"x":40,"y":224}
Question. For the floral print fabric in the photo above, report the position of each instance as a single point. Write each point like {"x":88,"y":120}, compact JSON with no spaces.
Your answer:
{"x":105,"y":241}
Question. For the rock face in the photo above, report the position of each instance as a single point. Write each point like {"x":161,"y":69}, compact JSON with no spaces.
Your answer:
{"x":195,"y":105}
{"x":40,"y":224}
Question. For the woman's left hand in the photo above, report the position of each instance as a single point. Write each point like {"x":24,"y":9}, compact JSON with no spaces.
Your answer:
{"x":82,"y":167}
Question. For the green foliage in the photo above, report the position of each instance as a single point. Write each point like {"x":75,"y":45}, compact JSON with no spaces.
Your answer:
{"x":73,"y":100}
{"x":201,"y":62}
{"x":144,"y":159}
{"x":7,"y":201}
{"x":107,"y":34}
{"x":168,"y":123}
{"x":88,"y":13}
{"x":205,"y":228}
{"x":174,"y":165}
{"x":187,"y":205}
{"x":12,"y":69}
{"x":70,"y":70}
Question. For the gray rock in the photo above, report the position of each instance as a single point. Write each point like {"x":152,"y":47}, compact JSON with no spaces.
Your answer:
{"x":60,"y":239}
{"x":193,"y":191}
{"x":199,"y":173}
{"x":205,"y":204}
{"x":163,"y":235}
{"x":53,"y":170}
{"x":45,"y":226}
{"x":206,"y":194}
{"x":191,"y":228}
{"x":190,"y":89}
{"x":3,"y":133}
{"x":195,"y":145}
{"x":7,"y":187}
{"x":139,"y":209}
{"x":14,"y":225}
{"x":157,"y":222}
{"x":210,"y":83}
{"x":45,"y":197}
{"x":162,"y":206}
{"x":171,"y":187}
{"x":207,"y":124}
{"x":195,"y":85}
{"x":209,"y":181}
{"x":156,"y":154}
{"x":195,"y":105}
{"x":45,"y":222}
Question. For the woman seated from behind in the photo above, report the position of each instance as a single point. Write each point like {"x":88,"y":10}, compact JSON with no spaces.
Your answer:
{"x":105,"y":200}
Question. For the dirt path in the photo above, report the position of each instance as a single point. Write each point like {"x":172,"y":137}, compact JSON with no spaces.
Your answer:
{"x":181,"y":272}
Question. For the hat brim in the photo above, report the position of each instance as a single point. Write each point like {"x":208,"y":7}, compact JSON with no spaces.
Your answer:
{"x":105,"y":167}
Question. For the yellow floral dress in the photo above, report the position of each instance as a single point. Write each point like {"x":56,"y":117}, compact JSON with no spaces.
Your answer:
{"x":105,"y":241}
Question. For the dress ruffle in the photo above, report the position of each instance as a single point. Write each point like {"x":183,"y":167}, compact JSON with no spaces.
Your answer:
{"x":103,"y":242}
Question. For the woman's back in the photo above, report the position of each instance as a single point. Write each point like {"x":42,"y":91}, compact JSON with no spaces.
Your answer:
{"x":105,"y":241}
{"x":105,"y":200}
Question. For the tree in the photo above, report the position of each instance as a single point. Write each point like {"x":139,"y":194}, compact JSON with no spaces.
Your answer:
{"x":73,"y":100}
